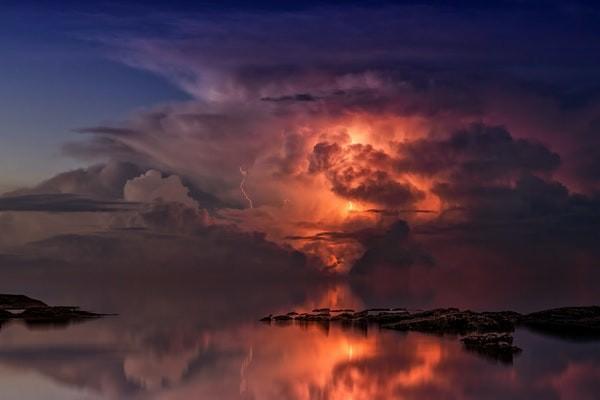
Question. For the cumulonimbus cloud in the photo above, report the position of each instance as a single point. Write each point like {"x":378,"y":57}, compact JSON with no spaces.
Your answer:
{"x":390,"y":117}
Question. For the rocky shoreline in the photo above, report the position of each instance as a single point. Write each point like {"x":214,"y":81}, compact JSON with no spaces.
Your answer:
{"x":486,"y":333}
{"x":37,"y":313}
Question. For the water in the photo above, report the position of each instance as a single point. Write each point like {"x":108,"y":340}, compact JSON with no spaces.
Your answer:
{"x":204,"y":342}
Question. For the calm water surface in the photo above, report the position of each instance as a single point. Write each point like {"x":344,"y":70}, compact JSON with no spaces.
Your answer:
{"x":205,"y":343}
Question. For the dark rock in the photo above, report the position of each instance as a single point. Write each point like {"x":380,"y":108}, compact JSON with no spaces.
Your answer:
{"x":292,"y":314}
{"x":388,"y":317}
{"x":434,"y":312}
{"x":512,"y":316}
{"x":497,"y":346}
{"x":488,"y":332}
{"x":452,"y":320}
{"x":342,"y":316}
{"x":37,"y":313}
{"x":371,"y":312}
{"x":55,"y":314}
{"x":282,"y":318}
{"x":361,"y":314}
{"x":575,"y":322}
{"x":441,"y":320}
{"x":488,"y":339}
{"x":314,"y":317}
{"x":18,"y":302}
{"x":267,"y":319}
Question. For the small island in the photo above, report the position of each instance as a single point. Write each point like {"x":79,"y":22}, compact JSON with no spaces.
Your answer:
{"x":486,"y":333}
{"x":36,"y":312}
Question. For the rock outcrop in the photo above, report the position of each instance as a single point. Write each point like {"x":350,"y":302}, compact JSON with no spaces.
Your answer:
{"x":486,"y":333}
{"x":577,"y":322}
{"x":442,"y":320}
{"x":19,"y":302}
{"x":494,"y":345}
{"x":452,"y":320}
{"x":36,"y":312}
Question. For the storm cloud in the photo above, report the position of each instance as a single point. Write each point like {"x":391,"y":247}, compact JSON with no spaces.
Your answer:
{"x":341,"y":133}
{"x":63,"y":202}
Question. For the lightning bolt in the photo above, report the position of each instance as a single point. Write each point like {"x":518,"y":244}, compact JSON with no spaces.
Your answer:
{"x":242,"y":183}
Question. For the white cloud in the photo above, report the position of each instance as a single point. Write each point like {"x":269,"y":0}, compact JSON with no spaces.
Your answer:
{"x":151,"y":187}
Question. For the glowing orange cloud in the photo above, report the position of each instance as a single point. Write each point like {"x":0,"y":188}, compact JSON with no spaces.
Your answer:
{"x":339,"y":191}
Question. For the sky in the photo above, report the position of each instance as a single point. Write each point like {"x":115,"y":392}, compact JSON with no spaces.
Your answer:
{"x":62,"y":70}
{"x":441,"y":141}
{"x":54,"y":80}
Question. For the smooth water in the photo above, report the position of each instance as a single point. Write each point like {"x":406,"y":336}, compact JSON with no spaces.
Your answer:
{"x":206,"y":343}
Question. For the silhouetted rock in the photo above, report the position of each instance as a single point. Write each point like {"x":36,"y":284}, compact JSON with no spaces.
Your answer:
{"x":442,"y":320}
{"x":371,"y":312}
{"x":451,"y":320}
{"x":38,"y":313}
{"x":497,"y":346}
{"x":18,"y":302}
{"x":575,"y":322}
{"x":55,"y":314}
{"x":487,"y":333}
{"x":387,"y":317}
{"x":314,"y":317}
{"x":342,"y":316}
{"x":282,"y":318}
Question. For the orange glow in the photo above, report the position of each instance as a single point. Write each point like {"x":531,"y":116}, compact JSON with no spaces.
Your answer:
{"x":308,"y":205}
{"x":334,"y":364}
{"x":335,"y":297}
{"x":380,"y":130}
{"x":340,"y":214}
{"x":328,"y":359}
{"x":350,"y":352}
{"x":430,"y":355}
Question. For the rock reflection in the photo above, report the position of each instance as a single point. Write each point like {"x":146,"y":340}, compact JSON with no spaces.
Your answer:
{"x":256,"y":361}
{"x":181,"y":346}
